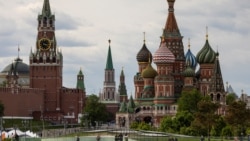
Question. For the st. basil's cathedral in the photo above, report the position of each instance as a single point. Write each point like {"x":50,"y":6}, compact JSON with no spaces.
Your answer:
{"x":157,"y":90}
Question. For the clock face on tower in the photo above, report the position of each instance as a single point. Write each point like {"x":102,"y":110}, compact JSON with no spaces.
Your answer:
{"x":44,"y":44}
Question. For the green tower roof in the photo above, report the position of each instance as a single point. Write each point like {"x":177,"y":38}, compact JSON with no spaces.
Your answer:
{"x":80,"y":81}
{"x":109,"y":63}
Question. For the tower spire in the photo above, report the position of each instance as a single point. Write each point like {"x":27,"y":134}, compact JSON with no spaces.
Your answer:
{"x":46,"y":11}
{"x":171,"y":27}
{"x":109,"y":64}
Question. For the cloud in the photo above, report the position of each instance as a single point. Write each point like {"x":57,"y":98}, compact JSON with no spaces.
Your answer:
{"x":83,"y":28}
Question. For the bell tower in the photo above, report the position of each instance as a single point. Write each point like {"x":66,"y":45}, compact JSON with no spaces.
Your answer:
{"x":46,"y":61}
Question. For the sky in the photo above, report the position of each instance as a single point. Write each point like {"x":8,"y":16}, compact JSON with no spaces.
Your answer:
{"x":83,"y":28}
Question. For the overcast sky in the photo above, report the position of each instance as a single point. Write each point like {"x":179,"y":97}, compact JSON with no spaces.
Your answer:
{"x":83,"y":28}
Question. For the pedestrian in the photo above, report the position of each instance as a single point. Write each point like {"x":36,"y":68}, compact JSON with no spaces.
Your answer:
{"x":77,"y":138}
{"x":98,"y":138}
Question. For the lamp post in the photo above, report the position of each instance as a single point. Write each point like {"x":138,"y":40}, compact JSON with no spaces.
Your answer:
{"x":25,"y":124}
{"x":1,"y":126}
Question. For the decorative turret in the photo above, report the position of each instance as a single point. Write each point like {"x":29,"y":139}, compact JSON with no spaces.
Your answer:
{"x":217,"y":81}
{"x":122,"y":87}
{"x":131,"y":105}
{"x":206,"y":55}
{"x":80,"y":81}
{"x":190,"y":58}
{"x":123,"y":107}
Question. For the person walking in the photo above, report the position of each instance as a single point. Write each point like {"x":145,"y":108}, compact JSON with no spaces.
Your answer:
{"x":77,"y":138}
{"x":98,"y":138}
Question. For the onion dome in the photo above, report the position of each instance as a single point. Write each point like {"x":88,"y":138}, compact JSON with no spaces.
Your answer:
{"x":206,"y":54}
{"x":190,"y":58}
{"x":18,"y":66}
{"x":144,"y":54}
{"x":163,"y":54}
{"x":149,"y":72}
{"x":189,"y":72}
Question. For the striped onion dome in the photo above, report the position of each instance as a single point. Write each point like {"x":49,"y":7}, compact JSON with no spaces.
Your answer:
{"x":206,"y":54}
{"x":190,"y":58}
{"x":163,"y":54}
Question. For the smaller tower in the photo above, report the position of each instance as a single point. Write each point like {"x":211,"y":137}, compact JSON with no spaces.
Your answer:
{"x":80,"y":81}
{"x":122,"y":88}
{"x":206,"y":58}
{"x":109,"y":96}
{"x":109,"y":88}
{"x":144,"y":57}
{"x":190,"y":58}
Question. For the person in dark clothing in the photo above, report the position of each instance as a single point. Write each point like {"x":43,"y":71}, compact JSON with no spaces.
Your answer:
{"x":77,"y":138}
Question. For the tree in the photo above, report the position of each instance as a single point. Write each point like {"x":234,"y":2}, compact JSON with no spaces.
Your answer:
{"x":95,"y":110}
{"x":237,"y":116}
{"x":166,"y":124}
{"x":188,"y":101}
{"x":230,"y":98}
{"x":205,"y":117}
{"x":181,"y":120}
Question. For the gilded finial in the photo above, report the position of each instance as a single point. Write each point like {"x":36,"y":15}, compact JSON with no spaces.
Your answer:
{"x":144,"y":37}
{"x":18,"y":50}
{"x":162,"y":36}
{"x":188,"y":43}
{"x":109,"y":42}
{"x":206,"y":33}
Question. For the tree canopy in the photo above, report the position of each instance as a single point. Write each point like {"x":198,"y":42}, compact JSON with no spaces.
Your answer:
{"x":188,"y":101}
{"x":95,"y":110}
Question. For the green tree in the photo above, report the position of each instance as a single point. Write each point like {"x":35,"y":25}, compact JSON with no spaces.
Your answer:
{"x":206,"y":116}
{"x":166,"y":124}
{"x":182,"y":119}
{"x":227,"y":132}
{"x":94,"y":110}
{"x":188,"y":101}
{"x":237,"y":116}
{"x":218,"y":126}
{"x":144,"y":126}
{"x":230,"y":98}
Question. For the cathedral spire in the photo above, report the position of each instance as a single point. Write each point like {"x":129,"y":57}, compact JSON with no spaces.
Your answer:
{"x":109,"y":63}
{"x":46,"y":11}
{"x":217,"y":80}
{"x":171,"y":27}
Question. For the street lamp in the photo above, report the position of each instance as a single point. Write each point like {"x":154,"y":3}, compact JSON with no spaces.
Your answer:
{"x":1,"y":126}
{"x":25,"y":124}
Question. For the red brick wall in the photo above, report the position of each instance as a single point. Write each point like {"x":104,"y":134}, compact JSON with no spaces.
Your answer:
{"x":23,"y":102}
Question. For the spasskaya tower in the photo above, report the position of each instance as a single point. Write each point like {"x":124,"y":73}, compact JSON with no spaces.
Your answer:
{"x":46,"y":61}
